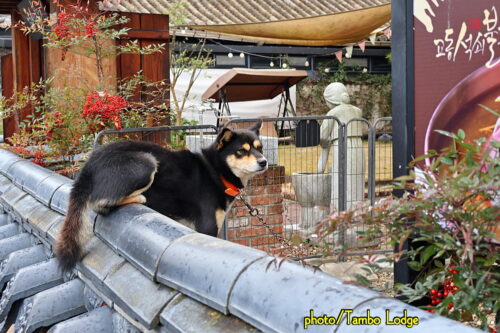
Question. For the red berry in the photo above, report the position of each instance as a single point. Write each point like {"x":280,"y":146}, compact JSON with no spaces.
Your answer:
{"x":438,"y":301}
{"x":446,"y":294}
{"x":431,"y":311}
{"x":434,"y":302}
{"x":450,"y":306}
{"x":440,"y":295}
{"x":433,"y":291}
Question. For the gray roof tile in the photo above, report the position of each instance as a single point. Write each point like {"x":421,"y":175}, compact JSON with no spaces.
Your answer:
{"x":184,"y":314}
{"x":96,"y":321}
{"x":14,"y":243}
{"x":51,"y":306}
{"x":19,"y":259}
{"x":141,"y":298}
{"x":193,"y":264}
{"x":139,"y":234}
{"x":29,"y":281}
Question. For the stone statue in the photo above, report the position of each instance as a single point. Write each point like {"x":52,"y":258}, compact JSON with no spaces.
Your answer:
{"x":337,"y":98}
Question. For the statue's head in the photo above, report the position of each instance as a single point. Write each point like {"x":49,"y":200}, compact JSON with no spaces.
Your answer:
{"x":336,"y":94}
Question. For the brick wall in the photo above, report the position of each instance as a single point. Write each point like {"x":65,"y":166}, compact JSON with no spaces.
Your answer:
{"x":264,"y":193}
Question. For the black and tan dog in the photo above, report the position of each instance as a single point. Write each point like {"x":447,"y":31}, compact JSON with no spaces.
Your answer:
{"x":197,"y":187}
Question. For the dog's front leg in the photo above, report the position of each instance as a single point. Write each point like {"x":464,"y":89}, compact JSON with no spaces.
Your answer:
{"x":210,"y":221}
{"x":220,"y":215}
{"x":207,"y":224}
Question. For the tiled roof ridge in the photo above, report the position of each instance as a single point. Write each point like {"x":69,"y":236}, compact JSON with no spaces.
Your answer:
{"x":144,"y":271}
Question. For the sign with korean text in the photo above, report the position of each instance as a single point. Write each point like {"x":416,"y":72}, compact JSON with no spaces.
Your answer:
{"x":457,"y":69}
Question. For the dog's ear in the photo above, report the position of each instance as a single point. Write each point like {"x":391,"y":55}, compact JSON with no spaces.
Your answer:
{"x":256,"y":127}
{"x":225,"y":136}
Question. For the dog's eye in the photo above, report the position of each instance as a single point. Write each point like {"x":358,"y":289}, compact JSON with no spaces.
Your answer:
{"x":241,"y":152}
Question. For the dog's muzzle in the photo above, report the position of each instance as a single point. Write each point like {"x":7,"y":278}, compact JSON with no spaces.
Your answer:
{"x":262,"y":163}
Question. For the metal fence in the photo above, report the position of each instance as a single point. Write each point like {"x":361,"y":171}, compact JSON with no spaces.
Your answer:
{"x":317,"y":179}
{"x":309,"y":178}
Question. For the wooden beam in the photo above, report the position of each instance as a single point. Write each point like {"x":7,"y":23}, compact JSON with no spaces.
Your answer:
{"x":10,"y":123}
{"x":26,"y":68}
{"x":21,"y":59}
{"x":129,"y":64}
{"x":156,"y":66}
{"x":20,"y":52}
{"x":149,"y":34}
{"x":6,"y":6}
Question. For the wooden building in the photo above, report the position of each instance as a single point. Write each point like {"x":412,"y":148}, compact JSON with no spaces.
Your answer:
{"x":29,"y":61}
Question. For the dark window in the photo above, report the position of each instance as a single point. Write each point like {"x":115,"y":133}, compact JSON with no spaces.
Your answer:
{"x":298,"y":62}
{"x":380,"y":65}
{"x":355,"y":64}
{"x":260,"y":62}
{"x":223,"y":60}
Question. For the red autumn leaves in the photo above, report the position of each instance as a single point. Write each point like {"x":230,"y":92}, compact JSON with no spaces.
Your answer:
{"x":65,"y":28}
{"x":90,"y":29}
{"x":62,"y":31}
{"x":103,"y":110}
{"x":51,"y":122}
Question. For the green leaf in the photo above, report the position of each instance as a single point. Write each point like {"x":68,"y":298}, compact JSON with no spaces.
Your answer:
{"x":490,"y":110}
{"x":451,"y":135}
{"x":469,"y":160}
{"x":415,"y":265}
{"x":461,"y":134}
{"x":422,"y":157}
{"x":404,"y":178}
{"x":362,"y":280}
{"x":490,"y":261}
{"x":447,"y":160}
{"x":439,"y":254}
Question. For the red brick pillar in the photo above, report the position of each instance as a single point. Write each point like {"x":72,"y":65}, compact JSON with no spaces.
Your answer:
{"x":264,"y":193}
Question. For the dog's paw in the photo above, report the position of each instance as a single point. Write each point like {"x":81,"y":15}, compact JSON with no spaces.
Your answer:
{"x":103,"y":206}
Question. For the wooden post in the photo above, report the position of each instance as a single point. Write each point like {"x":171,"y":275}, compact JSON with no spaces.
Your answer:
{"x":20,"y":70}
{"x":10,"y":123}
{"x":147,"y":29}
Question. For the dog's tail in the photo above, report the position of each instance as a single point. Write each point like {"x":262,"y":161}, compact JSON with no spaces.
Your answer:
{"x":68,"y":248}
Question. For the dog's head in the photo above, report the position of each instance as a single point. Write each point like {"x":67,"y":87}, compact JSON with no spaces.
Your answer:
{"x":241,"y":150}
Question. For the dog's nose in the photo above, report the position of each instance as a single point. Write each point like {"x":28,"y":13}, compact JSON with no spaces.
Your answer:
{"x":262,"y":162}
